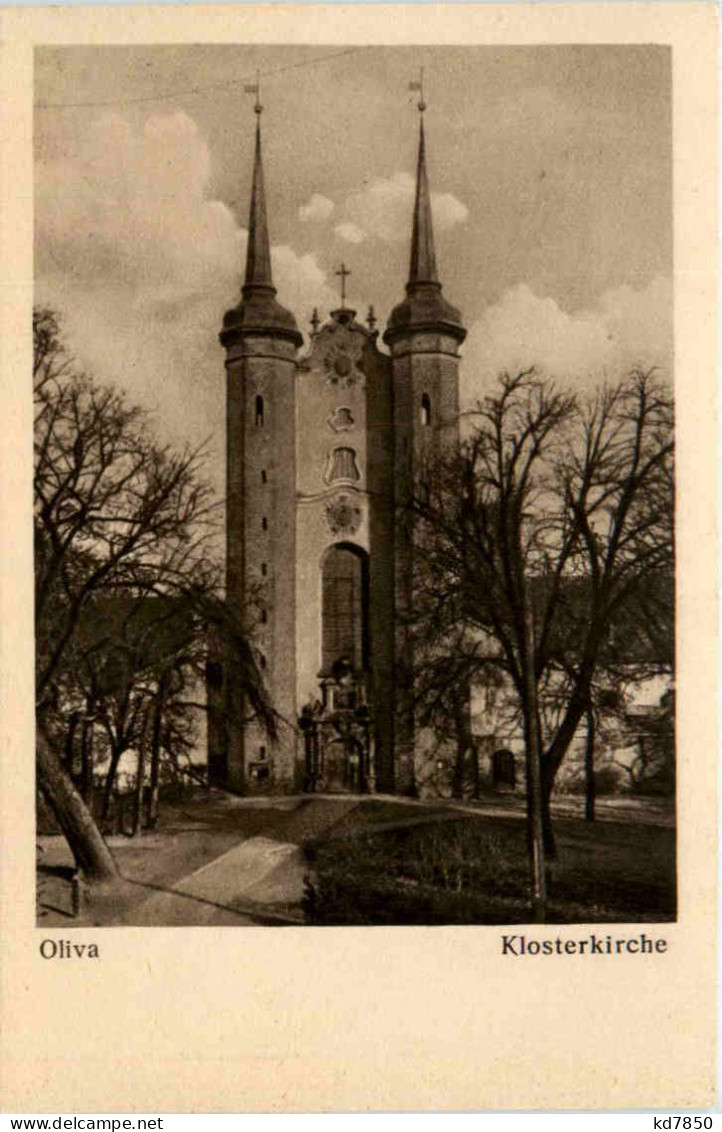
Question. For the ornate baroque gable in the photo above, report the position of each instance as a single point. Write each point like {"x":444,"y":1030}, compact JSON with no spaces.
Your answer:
{"x":337,"y":351}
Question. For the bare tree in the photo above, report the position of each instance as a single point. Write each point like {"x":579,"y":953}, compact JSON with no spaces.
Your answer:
{"x":116,"y":514}
{"x":553,"y":507}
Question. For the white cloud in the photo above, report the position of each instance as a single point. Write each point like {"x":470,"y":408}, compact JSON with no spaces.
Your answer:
{"x":384,"y":208}
{"x":301,"y":282}
{"x":351,"y":233}
{"x":447,"y":210}
{"x":625,"y":328}
{"x":318,"y":207}
{"x":141,"y":264}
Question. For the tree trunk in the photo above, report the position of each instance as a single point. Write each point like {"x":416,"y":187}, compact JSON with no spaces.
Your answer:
{"x":69,"y":757}
{"x":590,"y":791}
{"x":109,"y":781}
{"x":475,"y":769}
{"x":534,"y":787}
{"x":152,"y":818}
{"x":554,"y":756}
{"x":464,"y":744}
{"x":139,"y":781}
{"x":86,"y":760}
{"x":457,"y":780}
{"x":547,"y":785}
{"x":91,"y":854}
{"x":574,"y":714}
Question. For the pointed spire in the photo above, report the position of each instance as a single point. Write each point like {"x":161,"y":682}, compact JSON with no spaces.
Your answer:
{"x":258,"y":256}
{"x":424,"y":307}
{"x":258,"y":312}
{"x":422,"y":268}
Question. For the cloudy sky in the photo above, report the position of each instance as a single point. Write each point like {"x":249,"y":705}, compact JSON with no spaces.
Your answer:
{"x":550,"y":169}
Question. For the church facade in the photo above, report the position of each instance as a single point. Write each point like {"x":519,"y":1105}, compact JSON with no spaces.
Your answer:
{"x":324,"y":443}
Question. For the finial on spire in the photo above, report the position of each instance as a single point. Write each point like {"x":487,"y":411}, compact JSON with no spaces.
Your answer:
{"x":315,"y":320}
{"x":344,"y":273}
{"x":418,"y":86}
{"x":255,"y":88}
{"x":371,"y":318}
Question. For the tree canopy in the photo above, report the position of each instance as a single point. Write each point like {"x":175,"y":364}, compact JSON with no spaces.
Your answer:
{"x":559,"y":508}
{"x":127,"y":582}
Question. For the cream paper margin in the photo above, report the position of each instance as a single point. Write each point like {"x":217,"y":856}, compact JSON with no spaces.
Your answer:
{"x":214,"y":1020}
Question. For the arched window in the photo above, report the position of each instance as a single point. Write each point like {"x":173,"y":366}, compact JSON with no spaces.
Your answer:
{"x":425,"y":411}
{"x":345,"y":607}
{"x":343,"y":465}
{"x":259,"y":411}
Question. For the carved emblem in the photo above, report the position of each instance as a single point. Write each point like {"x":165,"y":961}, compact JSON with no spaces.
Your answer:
{"x":343,"y":515}
{"x":341,"y":360}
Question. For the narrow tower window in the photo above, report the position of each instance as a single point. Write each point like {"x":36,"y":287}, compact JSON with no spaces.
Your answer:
{"x":264,"y":477}
{"x":264,"y":569}
{"x":425,"y":413}
{"x":259,"y":411}
{"x":264,"y":523}
{"x":264,"y":617}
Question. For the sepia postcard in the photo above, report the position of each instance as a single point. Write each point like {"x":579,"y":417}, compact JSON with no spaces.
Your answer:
{"x":359,"y":583}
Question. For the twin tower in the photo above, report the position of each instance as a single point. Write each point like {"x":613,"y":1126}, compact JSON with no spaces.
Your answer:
{"x":323,"y":448}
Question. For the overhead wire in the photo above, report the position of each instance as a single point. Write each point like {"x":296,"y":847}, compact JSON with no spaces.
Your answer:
{"x":198,"y":90}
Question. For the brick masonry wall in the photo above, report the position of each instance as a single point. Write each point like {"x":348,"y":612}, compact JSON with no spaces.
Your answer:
{"x":261,"y":536}
{"x":424,"y":364}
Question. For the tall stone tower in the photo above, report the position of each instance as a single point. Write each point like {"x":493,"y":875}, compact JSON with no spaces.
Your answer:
{"x":323,"y":449}
{"x":424,"y":333}
{"x":261,"y":338}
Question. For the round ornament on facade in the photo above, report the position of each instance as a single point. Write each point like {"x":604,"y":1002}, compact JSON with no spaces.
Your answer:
{"x":343,"y":515}
{"x":341,"y":363}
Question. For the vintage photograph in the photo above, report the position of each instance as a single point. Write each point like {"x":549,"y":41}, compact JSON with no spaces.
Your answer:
{"x":354,"y":485}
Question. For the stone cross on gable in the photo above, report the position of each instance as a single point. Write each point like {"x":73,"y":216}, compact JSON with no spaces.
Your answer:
{"x":343,"y":272}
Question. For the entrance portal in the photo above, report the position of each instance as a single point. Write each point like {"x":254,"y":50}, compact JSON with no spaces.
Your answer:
{"x":337,"y":736}
{"x":337,"y":731}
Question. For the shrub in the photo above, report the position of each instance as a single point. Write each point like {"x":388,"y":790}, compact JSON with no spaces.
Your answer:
{"x":447,"y":873}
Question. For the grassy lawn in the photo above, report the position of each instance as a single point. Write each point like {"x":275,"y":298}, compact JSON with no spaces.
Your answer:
{"x":474,"y":871}
{"x":381,"y":861}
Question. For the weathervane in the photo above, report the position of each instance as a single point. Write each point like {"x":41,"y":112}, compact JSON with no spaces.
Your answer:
{"x":418,"y":86}
{"x":255,"y":88}
{"x":343,"y":272}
